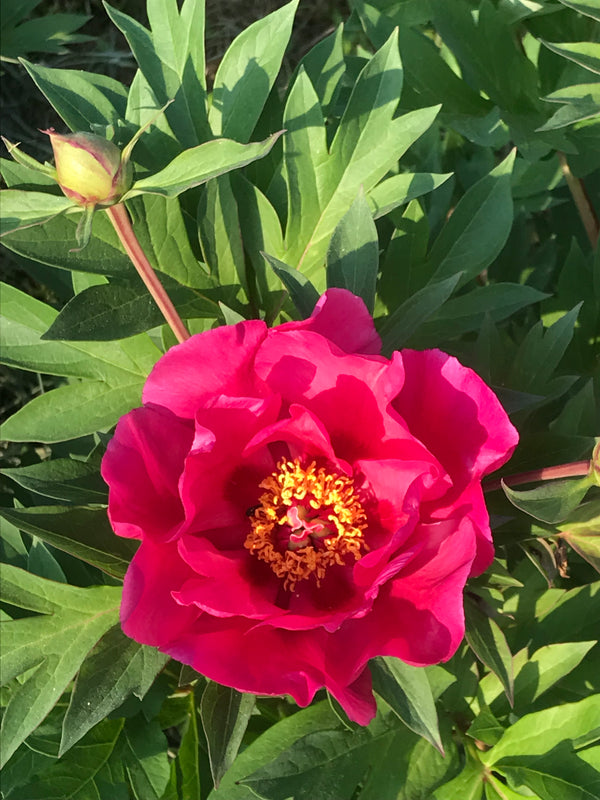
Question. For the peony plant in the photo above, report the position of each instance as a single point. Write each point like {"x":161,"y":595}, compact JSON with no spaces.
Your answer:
{"x":304,"y":499}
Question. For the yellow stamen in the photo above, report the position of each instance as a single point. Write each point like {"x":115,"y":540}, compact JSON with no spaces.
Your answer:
{"x":306,"y":504}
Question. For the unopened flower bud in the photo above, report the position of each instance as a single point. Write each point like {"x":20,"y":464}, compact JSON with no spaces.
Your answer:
{"x":89,"y":169}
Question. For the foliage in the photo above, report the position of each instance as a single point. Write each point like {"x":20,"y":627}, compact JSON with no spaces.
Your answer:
{"x":431,"y":157}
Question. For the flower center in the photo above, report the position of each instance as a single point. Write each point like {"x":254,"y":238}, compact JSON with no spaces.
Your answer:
{"x":306,"y":520}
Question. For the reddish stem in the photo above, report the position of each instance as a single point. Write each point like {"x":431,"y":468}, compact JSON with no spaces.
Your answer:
{"x":581,"y":199}
{"x":572,"y":470}
{"x":120,"y":219}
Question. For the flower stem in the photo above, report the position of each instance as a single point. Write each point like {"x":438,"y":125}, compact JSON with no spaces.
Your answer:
{"x":572,"y":470}
{"x":581,"y":200}
{"x":120,"y":219}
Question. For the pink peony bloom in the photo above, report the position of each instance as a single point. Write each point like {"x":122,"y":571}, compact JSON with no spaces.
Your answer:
{"x":304,"y":504}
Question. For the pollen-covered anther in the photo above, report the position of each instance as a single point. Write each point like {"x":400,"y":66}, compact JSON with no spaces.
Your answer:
{"x":307,"y":520}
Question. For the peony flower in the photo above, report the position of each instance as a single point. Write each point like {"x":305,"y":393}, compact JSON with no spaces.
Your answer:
{"x":304,"y":504}
{"x":89,"y":169}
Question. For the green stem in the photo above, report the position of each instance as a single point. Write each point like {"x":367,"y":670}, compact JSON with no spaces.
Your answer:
{"x":581,"y":200}
{"x":120,"y":219}
{"x":572,"y":470}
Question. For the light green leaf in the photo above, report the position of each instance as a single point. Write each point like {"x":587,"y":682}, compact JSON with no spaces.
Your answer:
{"x":247,"y":72}
{"x":582,"y":102}
{"x":401,"y":189}
{"x":324,"y":65}
{"x":72,"y":411}
{"x":81,"y":99}
{"x":23,"y":209}
{"x":407,"y":691}
{"x":486,"y":728}
{"x":353,"y":254}
{"x":540,"y":732}
{"x":586,"y":54}
{"x":219,"y":233}
{"x":116,"y":668}
{"x":468,"y":785}
{"x":198,"y":164}
{"x":50,"y":646}
{"x":489,"y":645}
{"x":83,"y":532}
{"x":478,"y":228}
{"x":225,"y":714}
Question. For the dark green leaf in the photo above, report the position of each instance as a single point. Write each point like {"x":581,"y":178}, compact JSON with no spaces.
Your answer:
{"x":83,"y":532}
{"x":552,"y":501}
{"x":62,"y":479}
{"x":486,"y":728}
{"x":353,"y":255}
{"x":225,"y":714}
{"x":303,"y":294}
{"x":586,"y":54}
{"x":115,"y":668}
{"x":401,"y":189}
{"x":188,"y":761}
{"x":588,"y":7}
{"x":145,"y":758}
{"x":406,"y":689}
{"x":489,"y":645}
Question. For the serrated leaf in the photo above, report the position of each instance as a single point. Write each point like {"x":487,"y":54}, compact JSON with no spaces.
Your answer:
{"x":247,"y":72}
{"x":225,"y":714}
{"x":489,"y":645}
{"x":353,"y":254}
{"x":552,"y":501}
{"x":407,"y":691}
{"x":23,"y":209}
{"x":199,"y":164}
{"x":115,"y":668}
{"x":478,"y":228}
{"x":82,"y":532}
{"x":49,"y":646}
{"x":62,"y":479}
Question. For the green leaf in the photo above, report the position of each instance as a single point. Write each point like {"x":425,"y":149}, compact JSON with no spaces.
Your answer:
{"x":62,"y":479}
{"x":225,"y":714}
{"x":247,"y":72}
{"x":116,"y":668}
{"x":581,"y":532}
{"x":405,"y":321}
{"x":303,"y":294}
{"x":590,"y":8}
{"x":586,"y":54}
{"x":49,"y":647}
{"x":353,"y":254}
{"x":489,"y":645}
{"x":188,"y":761}
{"x":478,"y":228}
{"x":407,"y":691}
{"x":552,"y":501}
{"x":324,"y":65}
{"x":219,"y":233}
{"x":323,"y":765}
{"x":116,"y":311}
{"x":145,"y":759}
{"x":278,"y":738}
{"x":198,"y":164}
{"x":83,"y":532}
{"x":82,"y":99}
{"x":23,"y":209}
{"x":540,"y":732}
{"x":72,"y":411}
{"x":486,"y":728}
{"x":401,"y":189}
{"x":582,"y":102}
{"x":468,"y":785}
{"x":468,"y":311}
{"x":85,"y":772}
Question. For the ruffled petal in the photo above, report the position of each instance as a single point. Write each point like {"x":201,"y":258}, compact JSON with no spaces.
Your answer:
{"x":343,"y":318}
{"x":217,"y":362}
{"x":142,"y":465}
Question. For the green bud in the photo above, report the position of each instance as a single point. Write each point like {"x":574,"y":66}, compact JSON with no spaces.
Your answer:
{"x":90,"y":169}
